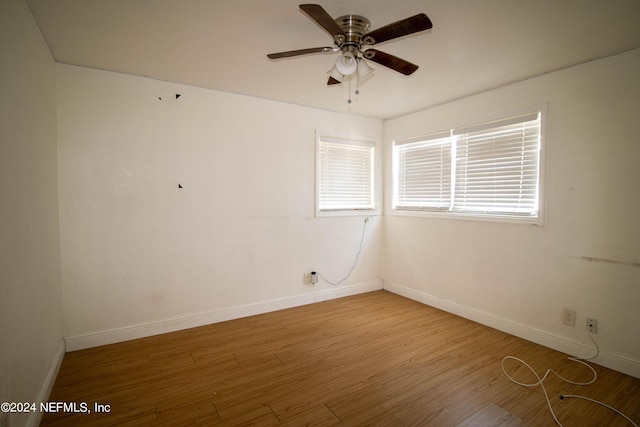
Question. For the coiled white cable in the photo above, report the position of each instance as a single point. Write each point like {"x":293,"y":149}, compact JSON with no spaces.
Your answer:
{"x":540,"y":382}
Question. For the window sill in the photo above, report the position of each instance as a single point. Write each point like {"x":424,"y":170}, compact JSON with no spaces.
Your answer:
{"x":347,"y":212}
{"x":506,"y":219}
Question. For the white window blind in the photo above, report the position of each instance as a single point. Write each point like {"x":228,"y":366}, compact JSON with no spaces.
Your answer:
{"x":488,"y":169}
{"x":345,"y":174}
{"x":497,"y":167}
{"x":424,"y":174}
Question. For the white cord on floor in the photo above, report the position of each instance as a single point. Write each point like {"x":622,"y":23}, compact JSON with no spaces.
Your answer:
{"x":540,"y":382}
{"x":600,"y":403}
{"x":364,"y":227}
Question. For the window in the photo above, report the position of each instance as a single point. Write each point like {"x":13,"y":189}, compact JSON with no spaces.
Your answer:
{"x":423,"y":178}
{"x":345,"y":175}
{"x":491,"y":169}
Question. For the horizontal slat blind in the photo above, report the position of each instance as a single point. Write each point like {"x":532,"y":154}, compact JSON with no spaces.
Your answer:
{"x":423,"y":179}
{"x":345,"y":175}
{"x":497,"y":169}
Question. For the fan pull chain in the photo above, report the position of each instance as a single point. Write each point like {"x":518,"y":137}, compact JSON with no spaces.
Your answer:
{"x":357,"y":91}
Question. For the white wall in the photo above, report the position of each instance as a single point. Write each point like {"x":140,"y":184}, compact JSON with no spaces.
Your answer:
{"x":236,"y":239}
{"x":30,"y":292}
{"x":522,"y":275}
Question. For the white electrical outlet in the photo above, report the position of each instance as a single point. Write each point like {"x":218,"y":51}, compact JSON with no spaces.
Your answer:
{"x":569,"y":317}
{"x":592,"y":325}
{"x":307,"y":279}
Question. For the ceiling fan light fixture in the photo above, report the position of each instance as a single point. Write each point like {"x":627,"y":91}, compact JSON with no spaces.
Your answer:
{"x":333,"y":72}
{"x":364,"y":69}
{"x":346,"y":64}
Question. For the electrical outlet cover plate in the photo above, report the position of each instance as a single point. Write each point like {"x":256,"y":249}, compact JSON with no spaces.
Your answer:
{"x":569,"y":317}
{"x":307,"y":279}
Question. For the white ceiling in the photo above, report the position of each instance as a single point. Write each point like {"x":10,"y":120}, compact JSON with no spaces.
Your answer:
{"x":474,"y":45}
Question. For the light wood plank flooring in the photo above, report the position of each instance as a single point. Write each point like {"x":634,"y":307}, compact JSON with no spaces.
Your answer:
{"x":375,"y":359}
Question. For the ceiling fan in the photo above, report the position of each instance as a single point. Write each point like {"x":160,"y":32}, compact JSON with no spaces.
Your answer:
{"x":352,"y":38}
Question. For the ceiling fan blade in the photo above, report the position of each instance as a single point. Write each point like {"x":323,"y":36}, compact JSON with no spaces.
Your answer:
{"x":289,"y":53}
{"x":333,"y":81}
{"x":413,"y":24}
{"x":318,"y":14}
{"x":398,"y":64}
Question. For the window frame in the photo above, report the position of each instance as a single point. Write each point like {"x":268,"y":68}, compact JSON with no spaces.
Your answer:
{"x":353,"y":141}
{"x":478,"y":216}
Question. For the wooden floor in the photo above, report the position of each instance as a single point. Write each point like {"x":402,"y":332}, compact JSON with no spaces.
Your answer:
{"x":371,"y":359}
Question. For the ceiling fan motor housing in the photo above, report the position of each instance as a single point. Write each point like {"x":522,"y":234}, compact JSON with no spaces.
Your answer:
{"x":355,"y":27}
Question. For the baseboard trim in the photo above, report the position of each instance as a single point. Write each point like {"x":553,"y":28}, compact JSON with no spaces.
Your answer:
{"x":45,"y":391}
{"x":608,"y":360}
{"x":80,"y":342}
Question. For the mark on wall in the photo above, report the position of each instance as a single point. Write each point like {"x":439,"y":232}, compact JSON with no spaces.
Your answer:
{"x":178,"y":95}
{"x":611,"y":261}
